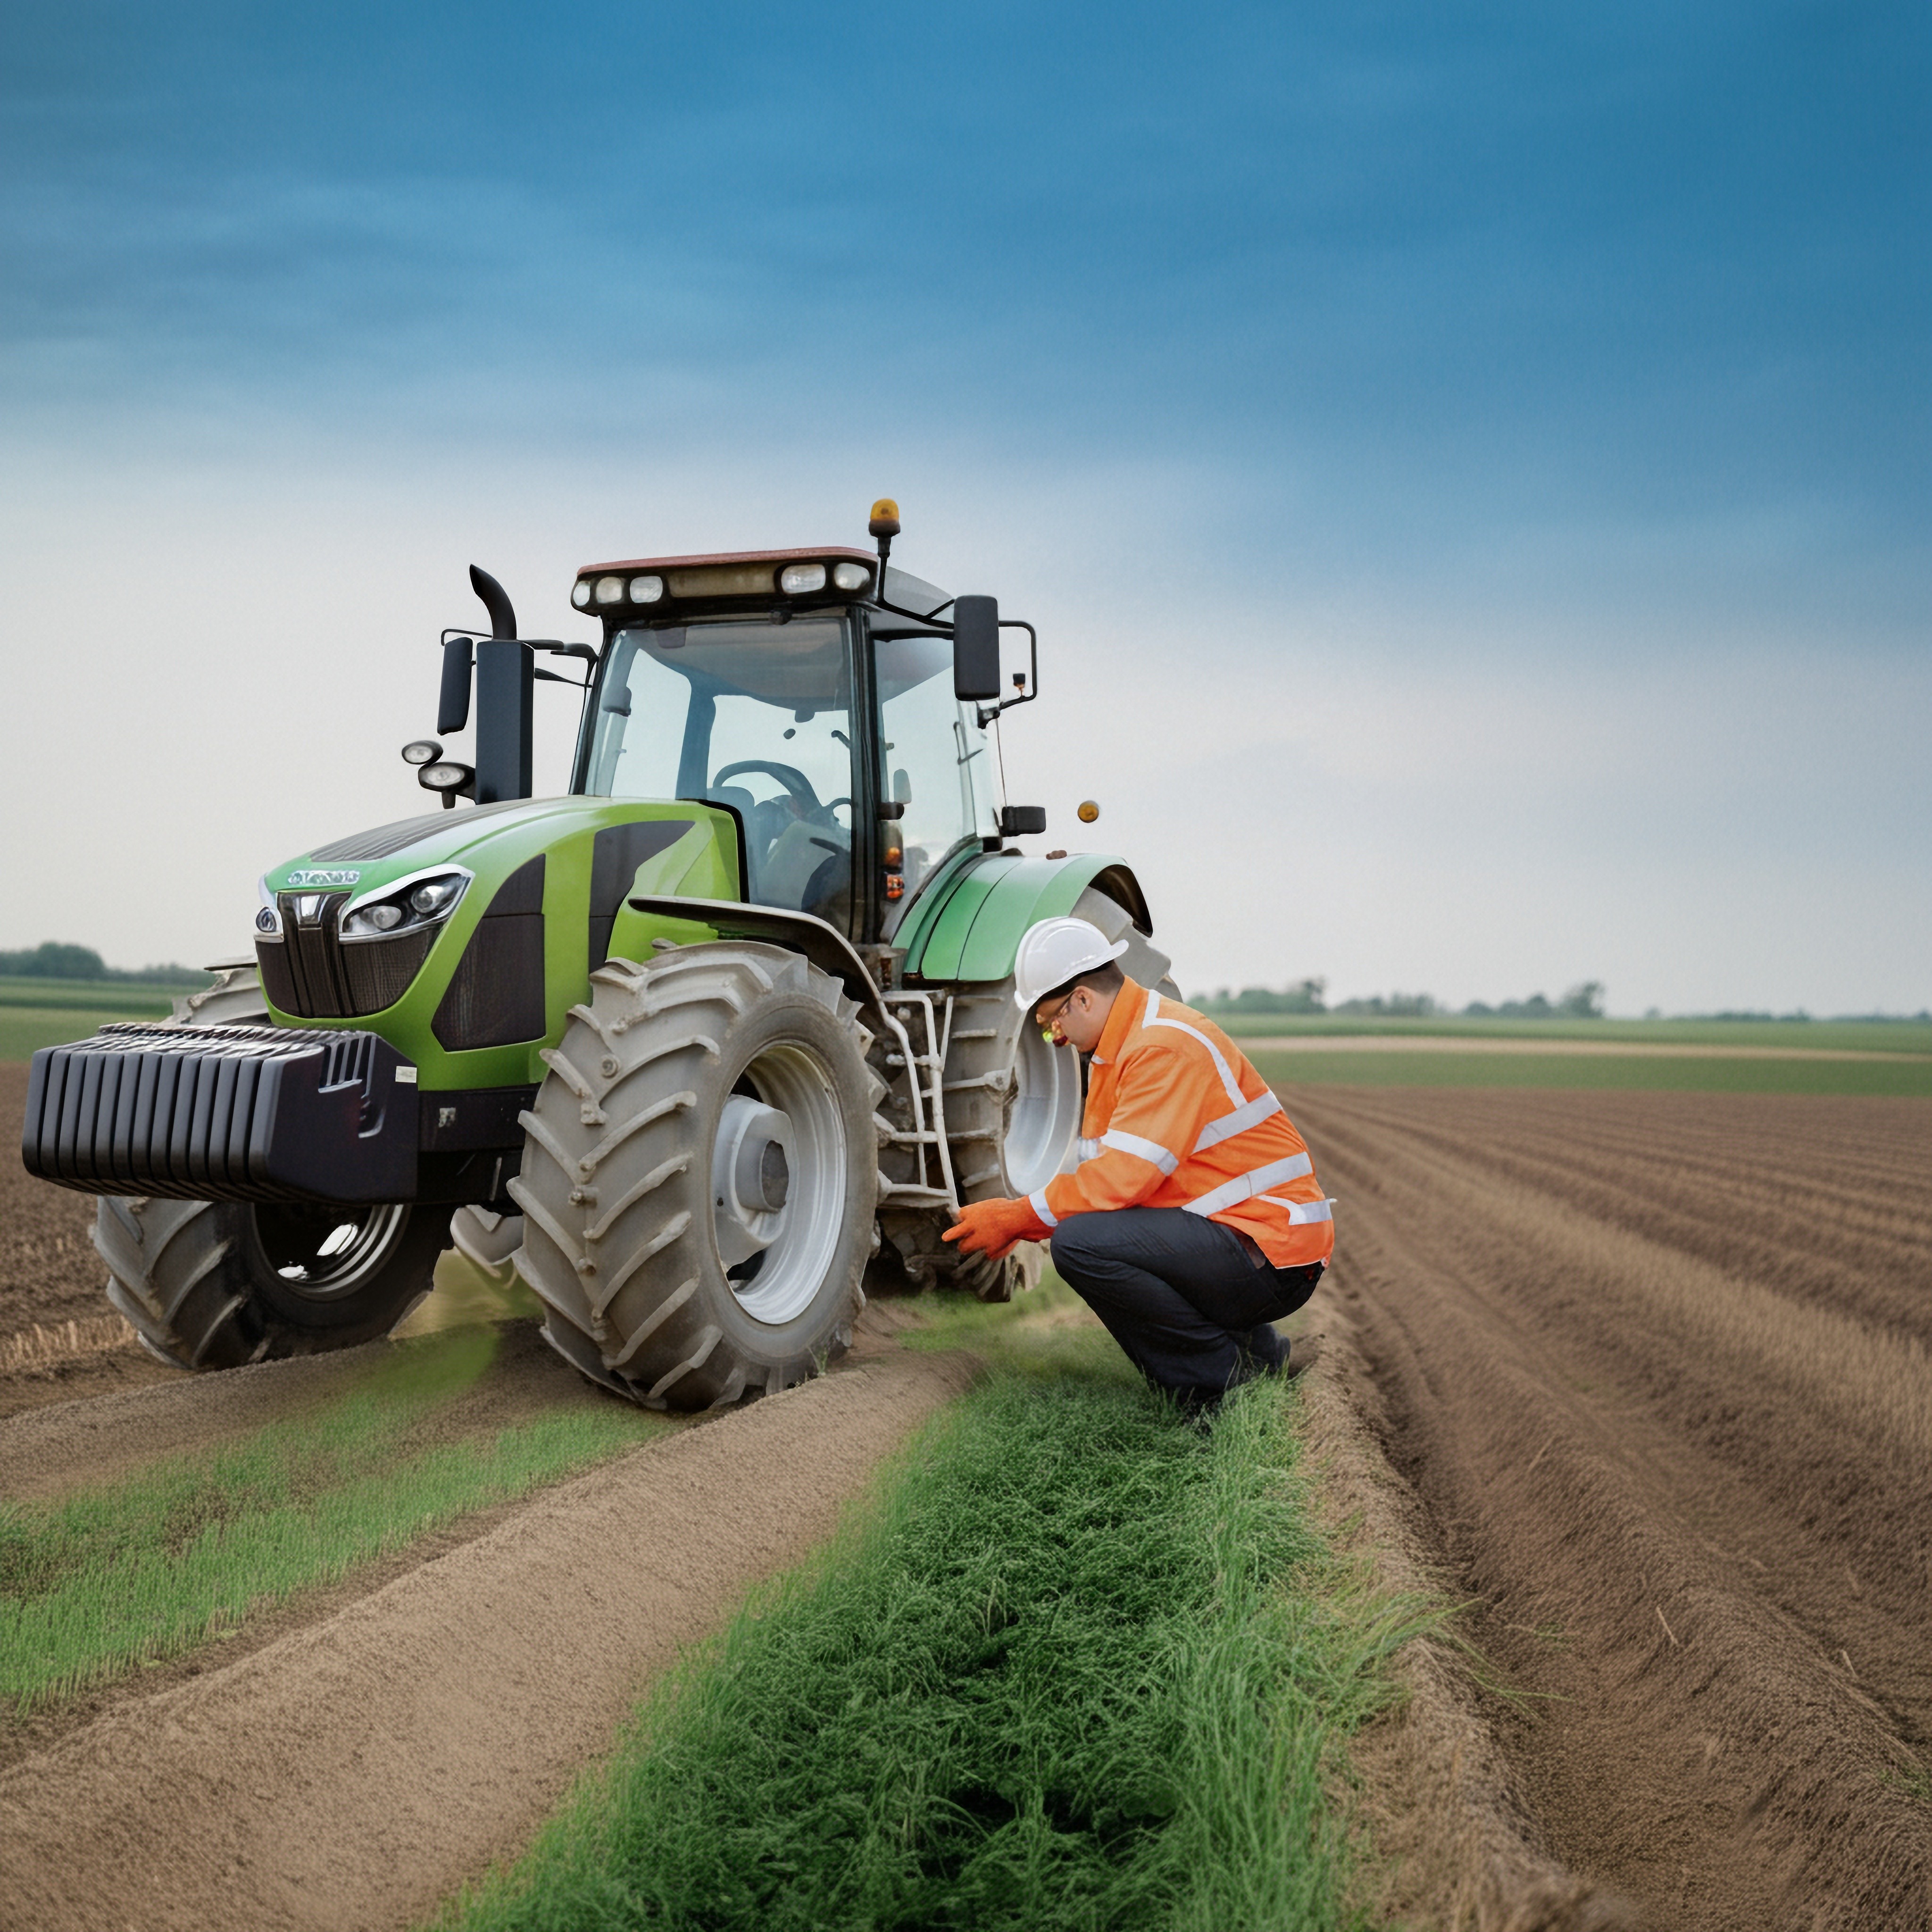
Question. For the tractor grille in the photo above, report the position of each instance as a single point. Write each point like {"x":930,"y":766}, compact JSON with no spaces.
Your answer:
{"x":380,"y":970}
{"x":496,"y":996}
{"x":312,"y":972}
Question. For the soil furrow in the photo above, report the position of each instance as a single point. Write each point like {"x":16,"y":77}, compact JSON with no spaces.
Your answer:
{"x":1687,"y":1484}
{"x":1746,"y":1214}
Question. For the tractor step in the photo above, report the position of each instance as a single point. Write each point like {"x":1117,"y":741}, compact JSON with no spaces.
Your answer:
{"x":912,"y":1018}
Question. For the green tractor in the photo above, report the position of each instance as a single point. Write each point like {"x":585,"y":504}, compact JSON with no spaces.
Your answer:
{"x":704,"y":1045}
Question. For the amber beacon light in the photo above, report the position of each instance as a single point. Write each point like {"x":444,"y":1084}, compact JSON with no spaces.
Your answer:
{"x":883,"y":527}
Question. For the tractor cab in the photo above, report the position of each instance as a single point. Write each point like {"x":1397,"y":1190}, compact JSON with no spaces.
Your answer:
{"x":828,"y":723}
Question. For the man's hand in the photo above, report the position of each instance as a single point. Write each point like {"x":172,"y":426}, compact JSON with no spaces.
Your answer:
{"x":995,"y":1228}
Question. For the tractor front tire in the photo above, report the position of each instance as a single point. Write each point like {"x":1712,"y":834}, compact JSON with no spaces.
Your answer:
{"x":701,"y":1174}
{"x":215,"y":1284}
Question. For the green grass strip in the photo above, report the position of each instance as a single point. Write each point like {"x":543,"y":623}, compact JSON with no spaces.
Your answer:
{"x":186,"y":1550}
{"x":24,"y":1030}
{"x":1078,"y":1667}
{"x":125,"y":999}
{"x":1905,"y":1076}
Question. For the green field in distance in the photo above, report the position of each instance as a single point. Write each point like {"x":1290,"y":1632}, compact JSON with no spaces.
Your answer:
{"x":1909,"y":1037}
{"x":1906,"y":1075}
{"x":24,"y":1030}
{"x":127,"y":997}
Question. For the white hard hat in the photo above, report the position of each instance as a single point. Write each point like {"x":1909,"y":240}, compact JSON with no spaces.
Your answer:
{"x":1051,"y":953}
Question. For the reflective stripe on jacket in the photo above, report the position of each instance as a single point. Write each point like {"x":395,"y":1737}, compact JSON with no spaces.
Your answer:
{"x":1176,"y":1117}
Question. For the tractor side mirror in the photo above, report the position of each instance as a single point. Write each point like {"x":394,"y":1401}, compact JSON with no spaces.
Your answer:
{"x":452,"y":713}
{"x":1017,"y":819}
{"x":976,"y":648}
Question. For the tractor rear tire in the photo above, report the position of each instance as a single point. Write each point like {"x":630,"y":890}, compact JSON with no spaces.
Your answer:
{"x":1013,"y":1104}
{"x":685,"y":1088}
{"x":1143,"y":962}
{"x":215,"y":1284}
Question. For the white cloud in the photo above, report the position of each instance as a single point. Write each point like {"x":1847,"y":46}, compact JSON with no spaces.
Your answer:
{"x":212,"y":663}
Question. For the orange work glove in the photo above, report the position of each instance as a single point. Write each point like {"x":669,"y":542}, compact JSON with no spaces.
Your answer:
{"x":995,"y":1228}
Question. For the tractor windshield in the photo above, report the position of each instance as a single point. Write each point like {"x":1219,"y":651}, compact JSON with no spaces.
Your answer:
{"x":755,"y":716}
{"x":932,"y":752}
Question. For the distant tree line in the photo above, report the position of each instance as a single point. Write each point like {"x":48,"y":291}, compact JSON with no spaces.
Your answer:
{"x":1304,"y":997}
{"x":53,"y":961}
{"x":1581,"y":1002}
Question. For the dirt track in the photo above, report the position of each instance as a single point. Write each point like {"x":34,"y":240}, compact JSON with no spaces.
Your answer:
{"x":1657,"y":1366}
{"x":356,"y":1770}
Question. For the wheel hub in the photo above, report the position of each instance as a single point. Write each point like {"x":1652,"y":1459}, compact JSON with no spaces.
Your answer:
{"x":777,"y":1183}
{"x":750,"y":1176}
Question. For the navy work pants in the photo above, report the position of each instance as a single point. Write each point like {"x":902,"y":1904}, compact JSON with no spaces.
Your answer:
{"x":1186,"y":1297}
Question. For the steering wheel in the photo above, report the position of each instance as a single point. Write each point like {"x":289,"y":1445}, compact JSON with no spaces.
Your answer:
{"x":794,"y":780}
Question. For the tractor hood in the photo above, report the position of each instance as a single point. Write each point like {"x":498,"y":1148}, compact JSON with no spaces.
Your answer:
{"x":365,"y":863}
{"x":463,"y":937}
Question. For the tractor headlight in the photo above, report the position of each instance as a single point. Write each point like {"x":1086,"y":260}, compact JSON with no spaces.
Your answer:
{"x":800,"y":580}
{"x":406,"y":908}
{"x":610,"y":590}
{"x":580,"y":593}
{"x":851,"y":576}
{"x":646,"y":589}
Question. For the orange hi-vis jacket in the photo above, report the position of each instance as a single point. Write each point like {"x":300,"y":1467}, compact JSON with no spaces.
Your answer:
{"x":1176,"y":1117}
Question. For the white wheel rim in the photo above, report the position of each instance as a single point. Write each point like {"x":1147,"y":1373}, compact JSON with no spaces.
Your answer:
{"x":793,"y":1247}
{"x":1046,"y":1115}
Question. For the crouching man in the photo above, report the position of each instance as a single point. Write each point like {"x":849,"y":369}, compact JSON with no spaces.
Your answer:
{"x":1194,"y":1221}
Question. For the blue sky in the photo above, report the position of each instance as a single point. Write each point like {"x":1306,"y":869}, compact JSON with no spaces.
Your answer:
{"x":1470,"y":462}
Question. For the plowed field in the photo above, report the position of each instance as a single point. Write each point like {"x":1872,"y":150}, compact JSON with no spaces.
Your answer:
{"x":1657,"y":1365}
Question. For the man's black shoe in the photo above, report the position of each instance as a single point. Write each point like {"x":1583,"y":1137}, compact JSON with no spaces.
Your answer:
{"x":1269,"y":1351}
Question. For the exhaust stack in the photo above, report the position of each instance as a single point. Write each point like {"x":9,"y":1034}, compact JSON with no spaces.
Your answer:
{"x":506,"y":688}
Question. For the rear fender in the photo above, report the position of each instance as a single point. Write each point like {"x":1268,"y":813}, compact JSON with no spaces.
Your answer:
{"x":974,"y":932}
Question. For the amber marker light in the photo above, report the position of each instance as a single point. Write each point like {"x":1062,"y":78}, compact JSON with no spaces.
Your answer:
{"x":885,"y":521}
{"x":1088,"y":811}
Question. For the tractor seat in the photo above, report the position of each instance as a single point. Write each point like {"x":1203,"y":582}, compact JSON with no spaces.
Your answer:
{"x":796,"y":856}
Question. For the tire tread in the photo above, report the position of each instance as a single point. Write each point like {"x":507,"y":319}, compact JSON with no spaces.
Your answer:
{"x":617,"y":1227}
